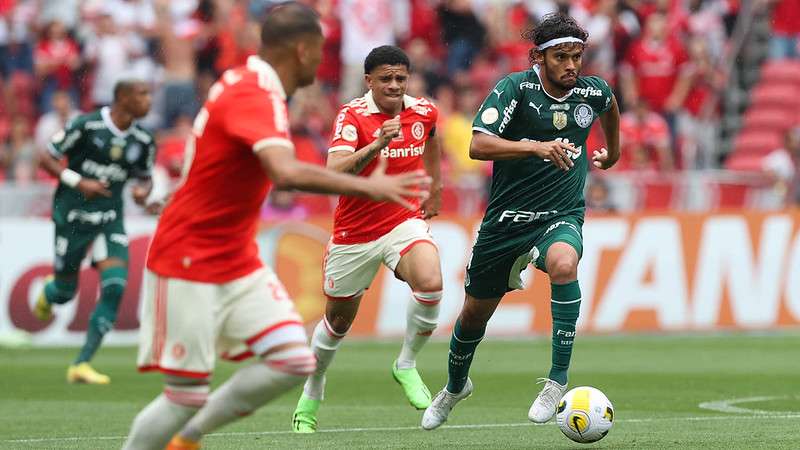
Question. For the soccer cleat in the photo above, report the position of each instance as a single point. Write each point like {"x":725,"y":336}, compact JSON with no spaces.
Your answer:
{"x":417,"y":393}
{"x":304,"y":419}
{"x":544,"y":407}
{"x":442,"y":404}
{"x":43,"y":310}
{"x":83,"y":373}
{"x":181,"y":443}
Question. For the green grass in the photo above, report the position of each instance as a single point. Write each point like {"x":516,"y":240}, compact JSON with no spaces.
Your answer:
{"x":655,"y":383}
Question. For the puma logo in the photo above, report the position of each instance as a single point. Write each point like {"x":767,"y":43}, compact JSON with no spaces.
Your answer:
{"x":536,"y":108}
{"x":499,"y":93}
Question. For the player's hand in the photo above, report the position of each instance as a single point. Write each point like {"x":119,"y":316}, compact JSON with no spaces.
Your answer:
{"x":140,"y":193}
{"x":398,"y":188}
{"x":558,"y":152}
{"x":390,"y":129}
{"x":430,"y":207}
{"x":93,"y":188}
{"x":601,"y":160}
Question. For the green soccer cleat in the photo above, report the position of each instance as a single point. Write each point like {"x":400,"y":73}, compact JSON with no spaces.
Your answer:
{"x":304,"y":419}
{"x":417,"y":393}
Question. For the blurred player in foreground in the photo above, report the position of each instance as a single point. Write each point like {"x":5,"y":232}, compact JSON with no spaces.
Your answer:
{"x":534,"y":126}
{"x":206,"y":291}
{"x":384,"y":122}
{"x":104,"y":149}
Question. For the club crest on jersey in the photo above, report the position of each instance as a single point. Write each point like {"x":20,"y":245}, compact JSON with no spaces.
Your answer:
{"x":133,"y":152}
{"x":583,"y":115}
{"x":417,"y":130}
{"x":349,"y":133}
{"x":559,"y":119}
{"x":115,"y":153}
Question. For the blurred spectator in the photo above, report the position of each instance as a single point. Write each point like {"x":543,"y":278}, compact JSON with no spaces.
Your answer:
{"x":651,"y":70}
{"x":425,"y":65}
{"x":54,"y":121}
{"x":370,"y":23}
{"x":330,"y":69}
{"x":702,"y":81}
{"x":172,"y":146}
{"x":785,"y":29}
{"x":66,"y":12}
{"x":783,"y":166}
{"x":598,"y":198}
{"x":463,"y":34}
{"x":611,"y":29}
{"x":644,"y":140}
{"x":456,"y":134}
{"x":19,"y":152}
{"x":56,"y":59}
{"x":110,"y":52}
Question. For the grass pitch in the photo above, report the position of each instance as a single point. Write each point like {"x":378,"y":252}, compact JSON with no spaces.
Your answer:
{"x":657,"y":384}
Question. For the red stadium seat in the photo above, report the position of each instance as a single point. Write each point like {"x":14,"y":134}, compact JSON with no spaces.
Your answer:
{"x":758,"y":119}
{"x":781,"y":71}
{"x":757,"y":142}
{"x":776,"y":95}
{"x":657,"y":195}
{"x":745,"y":162}
{"x":732,"y":196}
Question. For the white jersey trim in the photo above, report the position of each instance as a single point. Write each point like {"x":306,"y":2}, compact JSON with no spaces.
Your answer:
{"x":484,"y":131}
{"x":342,"y":148}
{"x":272,"y":142}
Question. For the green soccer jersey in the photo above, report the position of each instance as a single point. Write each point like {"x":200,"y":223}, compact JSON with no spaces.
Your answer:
{"x":531,"y":189}
{"x":97,"y":149}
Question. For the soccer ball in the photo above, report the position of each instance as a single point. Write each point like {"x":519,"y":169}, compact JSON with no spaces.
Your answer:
{"x":585,"y":415}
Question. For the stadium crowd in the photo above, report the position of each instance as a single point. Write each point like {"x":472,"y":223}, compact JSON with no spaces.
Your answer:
{"x":664,"y":58}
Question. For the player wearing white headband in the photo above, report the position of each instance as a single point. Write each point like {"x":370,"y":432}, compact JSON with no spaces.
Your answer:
{"x":533,"y":126}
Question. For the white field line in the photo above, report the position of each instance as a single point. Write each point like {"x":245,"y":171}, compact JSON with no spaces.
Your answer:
{"x":791,"y":416}
{"x":727,"y":406}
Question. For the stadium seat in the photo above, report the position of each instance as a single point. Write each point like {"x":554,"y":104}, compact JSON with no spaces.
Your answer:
{"x":776,"y":95}
{"x":781,"y":71}
{"x":657,"y":195}
{"x":732,"y":196}
{"x":757,"y":142}
{"x":745,"y":162}
{"x":760,"y":119}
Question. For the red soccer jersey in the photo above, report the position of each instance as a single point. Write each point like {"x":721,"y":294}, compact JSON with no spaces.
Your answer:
{"x":656,"y":67}
{"x":207,"y":232}
{"x":359,"y":220}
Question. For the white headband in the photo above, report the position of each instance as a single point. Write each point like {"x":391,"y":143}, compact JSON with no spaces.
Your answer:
{"x":563,"y":40}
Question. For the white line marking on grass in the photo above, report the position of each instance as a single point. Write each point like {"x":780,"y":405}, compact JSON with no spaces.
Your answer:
{"x":726,"y":406}
{"x":449,"y":427}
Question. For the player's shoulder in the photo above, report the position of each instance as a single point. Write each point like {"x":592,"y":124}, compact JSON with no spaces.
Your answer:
{"x":593,"y":82}
{"x":81,"y":120}
{"x":422,"y":106}
{"x":524,"y":79}
{"x":142,"y":134}
{"x":358,"y":107}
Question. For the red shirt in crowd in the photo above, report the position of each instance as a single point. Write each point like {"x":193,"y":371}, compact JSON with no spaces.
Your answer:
{"x":639,"y":139}
{"x":655,"y":67}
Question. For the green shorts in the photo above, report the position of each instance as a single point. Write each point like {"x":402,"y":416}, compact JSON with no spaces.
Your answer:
{"x":498,"y":258}
{"x":73,"y":241}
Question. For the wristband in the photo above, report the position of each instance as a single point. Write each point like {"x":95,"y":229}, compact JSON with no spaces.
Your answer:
{"x":70,"y":178}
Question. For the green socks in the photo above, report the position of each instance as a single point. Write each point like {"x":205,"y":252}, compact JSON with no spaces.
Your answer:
{"x":462,"y":347}
{"x":564,"y":307}
{"x":112,"y":286}
{"x":59,"y":291}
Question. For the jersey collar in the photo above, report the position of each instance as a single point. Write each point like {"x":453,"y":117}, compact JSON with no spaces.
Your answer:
{"x":267,"y":77}
{"x":536,"y":69}
{"x":372,"y":107}
{"x":105,"y":113}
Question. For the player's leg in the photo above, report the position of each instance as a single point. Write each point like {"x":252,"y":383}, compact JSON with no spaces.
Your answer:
{"x":70,"y":249}
{"x":467,"y":334}
{"x":415,"y":259}
{"x":348,"y":270}
{"x":177,"y":338}
{"x":274,"y":333}
{"x":110,"y":257}
{"x":561,"y":253}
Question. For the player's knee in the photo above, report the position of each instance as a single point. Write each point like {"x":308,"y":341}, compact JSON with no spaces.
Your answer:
{"x":188,"y":392}
{"x":339,"y":324}
{"x":563,"y":270}
{"x":474,"y":320}
{"x":62,"y":289}
{"x":113,"y":281}
{"x":428,"y":283}
{"x":296,"y":361}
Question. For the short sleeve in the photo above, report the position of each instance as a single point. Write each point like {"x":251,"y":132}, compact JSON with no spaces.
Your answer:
{"x":497,"y":109}
{"x":65,"y":141}
{"x":259,"y":119}
{"x":345,"y":132}
{"x":600,"y":103}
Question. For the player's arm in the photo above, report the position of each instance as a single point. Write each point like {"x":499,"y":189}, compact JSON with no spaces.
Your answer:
{"x":487,"y":147}
{"x":353,"y":162}
{"x":431,"y":159}
{"x":64,"y":143}
{"x":609,"y":121}
{"x":286,"y":172}
{"x":143,"y":185}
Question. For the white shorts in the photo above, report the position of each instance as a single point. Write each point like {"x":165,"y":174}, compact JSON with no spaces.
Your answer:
{"x":349,"y":269}
{"x":186,"y":324}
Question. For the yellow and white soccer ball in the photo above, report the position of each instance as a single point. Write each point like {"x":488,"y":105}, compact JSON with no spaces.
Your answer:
{"x":585,"y":415}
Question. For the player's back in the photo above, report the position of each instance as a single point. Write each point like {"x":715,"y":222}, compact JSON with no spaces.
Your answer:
{"x":207,"y":231}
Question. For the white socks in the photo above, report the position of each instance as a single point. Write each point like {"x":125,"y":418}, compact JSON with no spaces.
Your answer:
{"x":250,"y":388}
{"x":422,"y":317}
{"x":324,"y":344}
{"x":155,"y":425}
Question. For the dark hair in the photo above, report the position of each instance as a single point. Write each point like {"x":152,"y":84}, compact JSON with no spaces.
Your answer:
{"x":553,"y":26}
{"x":124,"y":86}
{"x":385,"y":54}
{"x":286,"y":21}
